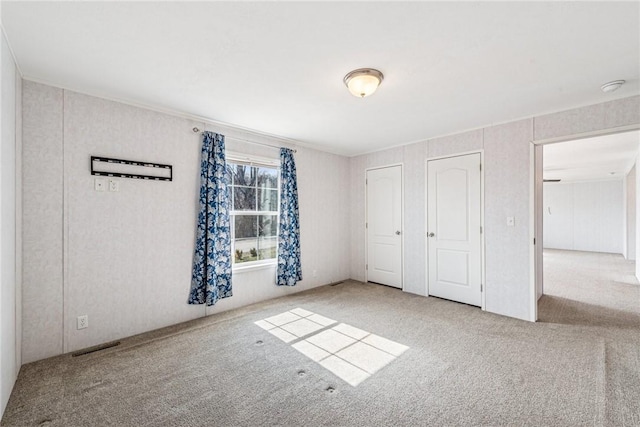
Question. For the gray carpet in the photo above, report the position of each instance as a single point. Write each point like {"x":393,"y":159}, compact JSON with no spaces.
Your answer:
{"x":598,"y":295}
{"x":579,"y":366}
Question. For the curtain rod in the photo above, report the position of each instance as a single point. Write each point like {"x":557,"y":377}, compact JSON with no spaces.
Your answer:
{"x":196,"y":130}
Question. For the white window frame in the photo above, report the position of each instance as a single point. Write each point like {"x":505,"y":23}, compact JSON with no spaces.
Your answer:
{"x":238,"y":158}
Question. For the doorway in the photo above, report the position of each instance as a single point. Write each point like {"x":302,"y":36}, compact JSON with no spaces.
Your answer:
{"x":384,"y":218}
{"x":585,"y":214}
{"x":454,"y":228}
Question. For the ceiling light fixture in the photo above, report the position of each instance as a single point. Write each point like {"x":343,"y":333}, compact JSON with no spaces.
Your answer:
{"x":612,"y":86}
{"x":363,"y":81}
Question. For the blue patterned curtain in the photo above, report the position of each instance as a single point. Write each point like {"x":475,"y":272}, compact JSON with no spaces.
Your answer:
{"x":211,"y":278}
{"x":289,"y":267}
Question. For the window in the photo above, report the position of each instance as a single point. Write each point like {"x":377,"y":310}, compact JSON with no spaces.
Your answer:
{"x":254,"y":211}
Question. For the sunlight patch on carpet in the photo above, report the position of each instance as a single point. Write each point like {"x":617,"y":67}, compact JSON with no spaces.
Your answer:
{"x":348,"y":352}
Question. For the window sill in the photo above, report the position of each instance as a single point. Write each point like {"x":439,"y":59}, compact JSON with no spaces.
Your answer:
{"x":247,"y":268}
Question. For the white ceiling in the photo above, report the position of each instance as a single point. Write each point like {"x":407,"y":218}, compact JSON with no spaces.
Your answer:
{"x":603,"y":157}
{"x":277,"y":67}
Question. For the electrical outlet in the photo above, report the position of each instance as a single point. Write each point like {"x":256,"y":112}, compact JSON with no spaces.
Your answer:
{"x":100,"y":184}
{"x":114,"y":185}
{"x":83,"y":321}
{"x":315,"y":273}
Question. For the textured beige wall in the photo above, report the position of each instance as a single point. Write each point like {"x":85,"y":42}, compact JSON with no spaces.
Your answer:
{"x":607,"y":115}
{"x":19,"y":227}
{"x":127,"y":254}
{"x":42,"y":222}
{"x":507,"y":193}
{"x":585,"y":216}
{"x":508,"y":190}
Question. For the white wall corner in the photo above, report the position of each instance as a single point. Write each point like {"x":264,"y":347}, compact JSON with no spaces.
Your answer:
{"x":637,"y":216}
{"x":625,"y":219}
{"x":630,"y":214}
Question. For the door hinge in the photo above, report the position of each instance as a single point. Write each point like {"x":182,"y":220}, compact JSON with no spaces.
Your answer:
{"x":366,"y":266}
{"x":534,"y":240}
{"x":480,"y":287}
{"x":366,"y":225}
{"x":480,"y":229}
{"x":480,"y":167}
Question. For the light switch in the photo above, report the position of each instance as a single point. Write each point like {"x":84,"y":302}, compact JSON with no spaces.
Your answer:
{"x":114,"y":185}
{"x":100,"y":184}
{"x":511,"y":221}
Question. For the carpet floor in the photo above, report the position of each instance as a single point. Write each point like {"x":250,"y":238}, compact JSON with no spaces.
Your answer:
{"x":580,"y":365}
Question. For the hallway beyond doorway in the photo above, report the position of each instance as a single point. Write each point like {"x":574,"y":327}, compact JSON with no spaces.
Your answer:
{"x":589,"y":288}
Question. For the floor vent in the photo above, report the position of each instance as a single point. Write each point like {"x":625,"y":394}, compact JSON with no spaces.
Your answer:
{"x":96,"y":348}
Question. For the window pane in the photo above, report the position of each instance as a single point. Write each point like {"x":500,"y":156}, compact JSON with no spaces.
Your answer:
{"x":245,"y":240}
{"x":244,"y":199}
{"x":254,"y":189}
{"x":267,"y":225}
{"x":243,"y":175}
{"x":268,"y":247}
{"x":267,"y":178}
{"x":246,"y":250}
{"x":245,"y":226}
{"x":268,"y":200}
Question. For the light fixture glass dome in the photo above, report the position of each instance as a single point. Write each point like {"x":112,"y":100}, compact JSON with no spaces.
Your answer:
{"x":363,"y":82}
